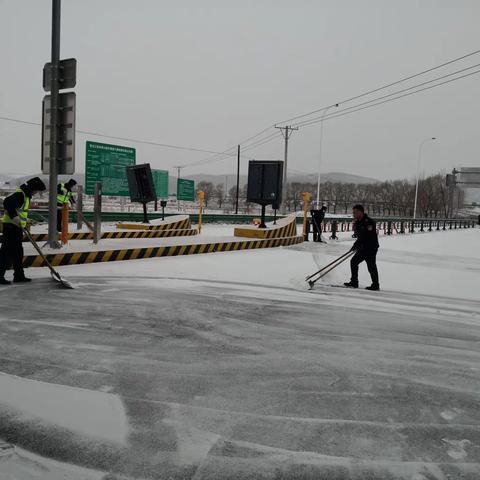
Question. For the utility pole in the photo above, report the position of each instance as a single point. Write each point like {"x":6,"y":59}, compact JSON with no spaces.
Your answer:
{"x":286,"y":132}
{"x":54,"y":92}
{"x":238,"y":179}
{"x":179,"y":169}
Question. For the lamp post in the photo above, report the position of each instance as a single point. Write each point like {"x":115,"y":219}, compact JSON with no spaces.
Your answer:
{"x":420,"y":149}
{"x":325,"y":110}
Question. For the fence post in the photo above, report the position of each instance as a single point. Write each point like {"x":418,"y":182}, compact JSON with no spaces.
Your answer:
{"x":438,"y":225}
{"x":444,"y":225}
{"x":97,"y":213}
{"x":389,"y":227}
{"x":201,"y":197}
{"x":430,"y":226}
{"x":79,"y":206}
{"x":402,"y":227}
{"x":421,"y":226}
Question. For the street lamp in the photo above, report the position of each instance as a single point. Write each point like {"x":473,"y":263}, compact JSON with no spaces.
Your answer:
{"x":420,"y":149}
{"x":325,"y":110}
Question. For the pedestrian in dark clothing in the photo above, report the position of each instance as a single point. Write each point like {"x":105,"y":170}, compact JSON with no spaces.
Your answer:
{"x":365,"y":247}
{"x":317,"y":218}
{"x":14,"y":222}
{"x":64,"y":197}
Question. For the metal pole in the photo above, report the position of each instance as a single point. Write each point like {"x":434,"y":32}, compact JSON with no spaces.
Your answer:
{"x":178,"y":178}
{"x":284,"y":188}
{"x":286,"y":135}
{"x":320,"y":154}
{"x":97,"y":213}
{"x":79,"y":206}
{"x":238,"y":179}
{"x":418,"y":173}
{"x":54,"y":94}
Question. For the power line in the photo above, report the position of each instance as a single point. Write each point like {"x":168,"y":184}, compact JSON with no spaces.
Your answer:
{"x":385,"y":86}
{"x":355,"y":108}
{"x":392,"y":99}
{"x":388,"y":95}
{"x":126,"y":139}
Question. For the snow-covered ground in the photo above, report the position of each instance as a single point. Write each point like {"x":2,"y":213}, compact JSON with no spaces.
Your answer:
{"x":226,"y":366}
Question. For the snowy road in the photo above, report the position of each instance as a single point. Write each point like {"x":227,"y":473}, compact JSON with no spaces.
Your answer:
{"x":225,"y":366}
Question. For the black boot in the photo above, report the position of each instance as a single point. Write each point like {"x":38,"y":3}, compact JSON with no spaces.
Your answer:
{"x":21,"y":279}
{"x":351,"y":284}
{"x":373,"y":286}
{"x":4,"y":282}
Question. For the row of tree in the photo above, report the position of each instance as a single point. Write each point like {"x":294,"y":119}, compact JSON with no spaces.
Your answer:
{"x":395,"y":198}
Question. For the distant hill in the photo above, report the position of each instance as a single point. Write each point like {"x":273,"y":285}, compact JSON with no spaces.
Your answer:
{"x":79,"y":177}
{"x":307,"y":178}
{"x":229,"y":179}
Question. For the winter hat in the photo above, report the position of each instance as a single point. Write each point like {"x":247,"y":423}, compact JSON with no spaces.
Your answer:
{"x":36,"y":184}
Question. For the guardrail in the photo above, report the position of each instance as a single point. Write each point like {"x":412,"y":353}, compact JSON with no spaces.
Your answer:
{"x":342,"y":223}
{"x":391,"y":226}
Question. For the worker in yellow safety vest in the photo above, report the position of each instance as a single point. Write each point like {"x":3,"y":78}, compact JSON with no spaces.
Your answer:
{"x":64,"y":197}
{"x":14,"y":221}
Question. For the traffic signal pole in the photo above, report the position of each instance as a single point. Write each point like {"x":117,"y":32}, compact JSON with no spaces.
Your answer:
{"x":53,"y":163}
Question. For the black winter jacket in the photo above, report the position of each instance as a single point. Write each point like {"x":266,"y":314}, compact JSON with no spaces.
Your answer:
{"x":366,"y":232}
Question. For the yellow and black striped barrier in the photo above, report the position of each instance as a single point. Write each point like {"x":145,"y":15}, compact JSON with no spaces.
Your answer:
{"x":286,"y":227}
{"x":182,"y":223}
{"x":79,"y":258}
{"x":43,"y":237}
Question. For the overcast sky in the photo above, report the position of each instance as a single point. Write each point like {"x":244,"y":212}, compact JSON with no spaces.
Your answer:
{"x":208,"y":74}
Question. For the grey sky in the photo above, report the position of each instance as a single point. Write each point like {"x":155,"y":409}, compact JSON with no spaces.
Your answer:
{"x":207,"y":76}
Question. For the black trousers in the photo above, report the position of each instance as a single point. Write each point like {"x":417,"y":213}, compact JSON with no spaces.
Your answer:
{"x":59,"y":217}
{"x":317,"y":231}
{"x":11,"y":251}
{"x":370,"y":257}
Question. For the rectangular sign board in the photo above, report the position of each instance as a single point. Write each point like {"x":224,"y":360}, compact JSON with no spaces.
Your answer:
{"x":160,"y":180}
{"x":65,"y":133}
{"x":67,"y":74}
{"x":107,"y":164}
{"x":185,"y":190}
{"x":140,"y":183}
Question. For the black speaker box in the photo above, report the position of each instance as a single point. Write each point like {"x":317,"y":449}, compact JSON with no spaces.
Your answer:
{"x":265,"y":182}
{"x":140,"y":183}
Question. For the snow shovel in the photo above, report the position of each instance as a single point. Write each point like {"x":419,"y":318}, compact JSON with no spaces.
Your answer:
{"x":328,"y":268}
{"x":55,"y":275}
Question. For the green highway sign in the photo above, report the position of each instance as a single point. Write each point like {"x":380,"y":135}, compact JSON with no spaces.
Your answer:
{"x":185,"y":190}
{"x":160,"y":180}
{"x":106,"y":163}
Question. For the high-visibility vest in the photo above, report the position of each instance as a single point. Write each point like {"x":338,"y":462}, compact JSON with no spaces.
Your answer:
{"x":22,"y":212}
{"x":65,"y":196}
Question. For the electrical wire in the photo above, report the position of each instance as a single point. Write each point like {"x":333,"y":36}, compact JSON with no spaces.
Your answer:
{"x":386,"y":96}
{"x":126,"y":139}
{"x":410,"y":77}
{"x":392,"y":99}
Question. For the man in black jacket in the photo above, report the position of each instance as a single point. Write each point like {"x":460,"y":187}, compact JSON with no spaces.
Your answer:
{"x":14,"y":222}
{"x":365,"y":247}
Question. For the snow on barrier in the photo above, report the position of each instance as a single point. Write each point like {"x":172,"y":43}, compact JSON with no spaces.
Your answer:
{"x":171,"y":223}
{"x":77,"y":258}
{"x":285,"y":228}
{"x":41,"y":237}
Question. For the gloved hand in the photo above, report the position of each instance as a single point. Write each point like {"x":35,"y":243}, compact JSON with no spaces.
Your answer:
{"x":356,"y":247}
{"x":16,"y":221}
